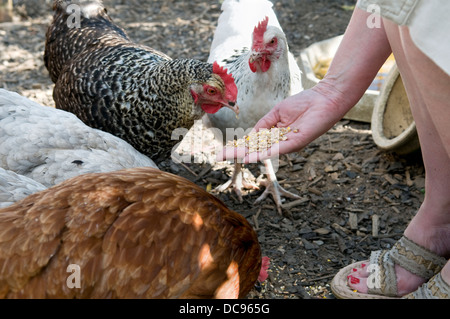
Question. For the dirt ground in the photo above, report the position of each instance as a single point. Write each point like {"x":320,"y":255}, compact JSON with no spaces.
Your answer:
{"x":345,"y":181}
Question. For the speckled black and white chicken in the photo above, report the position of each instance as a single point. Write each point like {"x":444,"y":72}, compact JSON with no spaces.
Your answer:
{"x":128,"y":89}
{"x":50,"y":145}
{"x":250,"y":42}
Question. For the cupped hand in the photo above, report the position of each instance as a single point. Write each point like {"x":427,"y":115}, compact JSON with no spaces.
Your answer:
{"x":309,"y":114}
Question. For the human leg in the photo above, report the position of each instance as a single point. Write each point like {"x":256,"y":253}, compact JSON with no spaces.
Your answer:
{"x":428,"y":89}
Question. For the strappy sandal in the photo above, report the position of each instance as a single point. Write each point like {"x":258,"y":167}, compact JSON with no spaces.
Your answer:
{"x":382,"y":281}
{"x":435,"y":288}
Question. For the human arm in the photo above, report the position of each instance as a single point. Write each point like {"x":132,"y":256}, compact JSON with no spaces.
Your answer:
{"x":313,"y":112}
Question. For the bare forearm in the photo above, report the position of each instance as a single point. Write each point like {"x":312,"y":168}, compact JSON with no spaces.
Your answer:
{"x":313,"y":112}
{"x":361,"y":53}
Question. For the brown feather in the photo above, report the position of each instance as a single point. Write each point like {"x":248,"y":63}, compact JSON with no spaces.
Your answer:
{"x":135,"y":233}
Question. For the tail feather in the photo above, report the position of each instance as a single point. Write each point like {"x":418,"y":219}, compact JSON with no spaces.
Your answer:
{"x":87,"y":8}
{"x":76,"y":25}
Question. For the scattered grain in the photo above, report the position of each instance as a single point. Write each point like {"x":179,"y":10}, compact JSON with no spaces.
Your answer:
{"x":262,"y":140}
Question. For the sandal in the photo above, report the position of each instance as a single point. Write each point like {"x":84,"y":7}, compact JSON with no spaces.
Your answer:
{"x":382,"y":281}
{"x":435,"y":288}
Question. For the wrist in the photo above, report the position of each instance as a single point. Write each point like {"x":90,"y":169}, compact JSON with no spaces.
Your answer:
{"x":361,"y":53}
{"x":338,"y":100}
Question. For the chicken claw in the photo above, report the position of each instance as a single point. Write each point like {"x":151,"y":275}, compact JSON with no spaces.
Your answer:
{"x":273,"y":188}
{"x":237,"y":182}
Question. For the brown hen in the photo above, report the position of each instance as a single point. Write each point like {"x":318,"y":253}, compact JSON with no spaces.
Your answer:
{"x":134,"y":233}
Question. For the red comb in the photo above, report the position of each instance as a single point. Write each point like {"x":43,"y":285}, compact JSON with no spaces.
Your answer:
{"x":258,"y":32}
{"x":228,"y":80}
{"x":264,"y":267}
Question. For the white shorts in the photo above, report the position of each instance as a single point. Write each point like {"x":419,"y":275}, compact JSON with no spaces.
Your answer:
{"x":428,"y":22}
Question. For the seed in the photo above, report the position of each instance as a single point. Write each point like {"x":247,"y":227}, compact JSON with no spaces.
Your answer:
{"x":262,"y":140}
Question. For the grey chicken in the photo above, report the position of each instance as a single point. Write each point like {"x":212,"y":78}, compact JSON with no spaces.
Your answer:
{"x":50,"y":145}
{"x":127,"y":89}
{"x":14,"y":187}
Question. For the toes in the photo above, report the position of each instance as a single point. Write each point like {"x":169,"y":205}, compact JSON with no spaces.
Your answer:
{"x":361,"y":271}
{"x":358,"y":283}
{"x":357,"y":280}
{"x":263,"y":196}
{"x":249,"y":185}
{"x":286,"y":193}
{"x":237,"y":191}
{"x":223,"y":187}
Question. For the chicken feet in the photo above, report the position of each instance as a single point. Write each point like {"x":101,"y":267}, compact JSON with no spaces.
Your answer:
{"x":237,"y":182}
{"x":273,"y":187}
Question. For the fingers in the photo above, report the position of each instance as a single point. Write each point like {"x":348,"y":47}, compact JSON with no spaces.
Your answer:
{"x":241,"y":154}
{"x":256,"y":157}
{"x":232,"y":153}
{"x":269,"y":120}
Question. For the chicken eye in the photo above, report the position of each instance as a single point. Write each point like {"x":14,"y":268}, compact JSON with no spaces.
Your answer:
{"x":211,"y":91}
{"x":272,"y":41}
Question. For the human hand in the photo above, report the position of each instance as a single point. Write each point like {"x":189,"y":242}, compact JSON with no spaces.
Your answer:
{"x":309,"y":114}
{"x":313,"y":112}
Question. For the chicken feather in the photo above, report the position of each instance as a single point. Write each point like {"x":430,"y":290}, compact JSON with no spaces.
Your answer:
{"x":249,"y":31}
{"x":124,"y":248}
{"x":231,"y":47}
{"x":127,"y":89}
{"x":49,"y":145}
{"x":14,"y":187}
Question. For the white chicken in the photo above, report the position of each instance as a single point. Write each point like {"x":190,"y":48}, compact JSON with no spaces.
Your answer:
{"x":15,"y":187}
{"x":250,"y":42}
{"x":50,"y":145}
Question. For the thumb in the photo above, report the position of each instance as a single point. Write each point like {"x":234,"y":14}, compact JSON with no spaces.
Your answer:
{"x":267,"y":121}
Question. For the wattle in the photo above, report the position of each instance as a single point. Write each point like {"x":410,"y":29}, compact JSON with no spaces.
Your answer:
{"x":265,"y":65}
{"x":262,"y":64}
{"x":211,"y":108}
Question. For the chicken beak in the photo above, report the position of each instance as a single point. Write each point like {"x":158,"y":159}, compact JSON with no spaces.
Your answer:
{"x":255,"y":56}
{"x":233,"y":107}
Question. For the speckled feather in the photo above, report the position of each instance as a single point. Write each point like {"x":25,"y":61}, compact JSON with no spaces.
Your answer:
{"x":50,"y":145}
{"x":135,"y":233}
{"x":58,"y":50}
{"x":130,"y":90}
